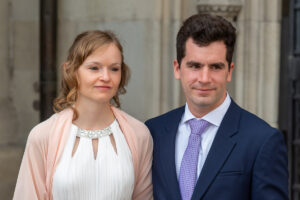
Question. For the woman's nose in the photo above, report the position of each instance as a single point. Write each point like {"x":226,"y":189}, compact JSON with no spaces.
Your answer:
{"x":104,"y":74}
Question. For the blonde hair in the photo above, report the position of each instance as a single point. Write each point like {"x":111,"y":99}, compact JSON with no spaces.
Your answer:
{"x":83,"y":46}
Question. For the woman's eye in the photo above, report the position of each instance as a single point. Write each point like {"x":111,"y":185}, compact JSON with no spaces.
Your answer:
{"x":94,"y":68}
{"x":115,"y":69}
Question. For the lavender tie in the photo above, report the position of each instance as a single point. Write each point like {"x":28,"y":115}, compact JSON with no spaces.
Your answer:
{"x":189,"y":163}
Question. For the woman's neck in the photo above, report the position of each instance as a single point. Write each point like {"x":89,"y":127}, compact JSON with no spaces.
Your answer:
{"x":93,"y":116}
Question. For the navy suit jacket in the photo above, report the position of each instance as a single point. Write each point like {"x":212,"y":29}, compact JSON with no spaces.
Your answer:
{"x":247,"y":159}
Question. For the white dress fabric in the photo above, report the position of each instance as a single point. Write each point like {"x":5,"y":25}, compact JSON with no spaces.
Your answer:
{"x":82,"y":177}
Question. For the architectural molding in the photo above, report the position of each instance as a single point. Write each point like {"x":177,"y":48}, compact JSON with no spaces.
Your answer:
{"x":228,"y":11}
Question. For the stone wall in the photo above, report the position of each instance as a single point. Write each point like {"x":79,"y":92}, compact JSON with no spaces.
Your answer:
{"x":19,"y":75}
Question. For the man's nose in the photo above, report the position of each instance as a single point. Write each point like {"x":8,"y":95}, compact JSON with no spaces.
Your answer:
{"x":204,"y":75}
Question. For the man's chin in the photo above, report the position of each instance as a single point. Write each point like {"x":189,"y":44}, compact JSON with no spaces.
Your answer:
{"x":203,"y":103}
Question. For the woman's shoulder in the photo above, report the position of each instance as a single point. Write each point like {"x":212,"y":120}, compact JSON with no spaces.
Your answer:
{"x":134,"y":121}
{"x":42,"y":130}
{"x":139,"y":127}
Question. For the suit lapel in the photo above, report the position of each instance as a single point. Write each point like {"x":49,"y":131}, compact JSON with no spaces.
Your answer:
{"x":167,"y":151}
{"x":220,"y":150}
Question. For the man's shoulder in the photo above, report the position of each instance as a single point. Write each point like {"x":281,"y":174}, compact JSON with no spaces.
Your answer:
{"x":246,"y":120}
{"x":250,"y":119}
{"x":248,"y":128}
{"x":255,"y":126}
{"x":166,"y":117}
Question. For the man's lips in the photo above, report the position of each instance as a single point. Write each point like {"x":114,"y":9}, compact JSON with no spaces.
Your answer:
{"x":204,"y":89}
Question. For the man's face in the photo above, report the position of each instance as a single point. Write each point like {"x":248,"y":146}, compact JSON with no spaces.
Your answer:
{"x":204,"y":73}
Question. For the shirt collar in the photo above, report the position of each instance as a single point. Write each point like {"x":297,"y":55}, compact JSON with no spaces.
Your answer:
{"x":214,"y":117}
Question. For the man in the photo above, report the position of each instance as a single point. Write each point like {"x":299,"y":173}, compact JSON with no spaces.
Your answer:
{"x":211,"y":149}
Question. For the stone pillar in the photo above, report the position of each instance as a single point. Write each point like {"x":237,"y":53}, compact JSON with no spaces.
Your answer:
{"x":255,"y":82}
{"x":8,"y":167}
{"x":19,"y":61}
{"x":170,"y":90}
{"x":271,"y":61}
{"x":257,"y":58}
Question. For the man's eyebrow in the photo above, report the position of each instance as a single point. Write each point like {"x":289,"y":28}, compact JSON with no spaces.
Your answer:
{"x":221,"y":64}
{"x":193,"y":63}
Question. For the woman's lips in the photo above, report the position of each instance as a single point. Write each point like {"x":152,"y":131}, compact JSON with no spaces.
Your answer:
{"x":103,"y":87}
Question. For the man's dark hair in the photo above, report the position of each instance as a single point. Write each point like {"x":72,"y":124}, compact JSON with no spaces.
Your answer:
{"x":205,"y":29}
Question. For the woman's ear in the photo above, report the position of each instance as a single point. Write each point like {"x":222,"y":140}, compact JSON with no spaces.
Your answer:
{"x":65,"y":65}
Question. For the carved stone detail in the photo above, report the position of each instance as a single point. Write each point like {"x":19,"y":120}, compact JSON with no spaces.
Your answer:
{"x":228,"y":11}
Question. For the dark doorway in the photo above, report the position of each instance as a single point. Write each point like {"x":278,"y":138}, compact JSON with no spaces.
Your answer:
{"x":48,"y":26}
{"x":289,"y":107}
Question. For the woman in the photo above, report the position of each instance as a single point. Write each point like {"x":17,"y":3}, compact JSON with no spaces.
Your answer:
{"x":89,"y":149}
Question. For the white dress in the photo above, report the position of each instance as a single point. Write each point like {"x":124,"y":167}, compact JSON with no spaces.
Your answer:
{"x":82,"y":177}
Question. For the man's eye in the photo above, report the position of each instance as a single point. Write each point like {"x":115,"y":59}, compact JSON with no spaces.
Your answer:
{"x":216,"y":67}
{"x":194,"y":66}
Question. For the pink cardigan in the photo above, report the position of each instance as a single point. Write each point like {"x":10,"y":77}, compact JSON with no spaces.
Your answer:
{"x":45,"y":145}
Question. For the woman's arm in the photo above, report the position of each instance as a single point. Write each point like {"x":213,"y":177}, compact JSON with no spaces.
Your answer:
{"x":31,"y":182}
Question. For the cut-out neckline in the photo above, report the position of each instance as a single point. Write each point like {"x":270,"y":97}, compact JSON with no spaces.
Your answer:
{"x":93,"y":134}
{"x":95,"y":140}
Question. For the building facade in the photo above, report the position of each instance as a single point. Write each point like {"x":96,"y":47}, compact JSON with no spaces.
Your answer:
{"x":147,"y":30}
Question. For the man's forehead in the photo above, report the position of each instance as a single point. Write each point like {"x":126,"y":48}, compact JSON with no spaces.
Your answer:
{"x":216,"y":49}
{"x":192,"y":62}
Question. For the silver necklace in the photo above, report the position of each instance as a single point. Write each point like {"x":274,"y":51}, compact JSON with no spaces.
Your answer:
{"x":93,"y":134}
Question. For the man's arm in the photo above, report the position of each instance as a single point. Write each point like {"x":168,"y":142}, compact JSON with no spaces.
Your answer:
{"x":270,"y":171}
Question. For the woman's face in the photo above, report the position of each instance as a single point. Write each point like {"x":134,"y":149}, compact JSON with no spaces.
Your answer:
{"x":99,"y":75}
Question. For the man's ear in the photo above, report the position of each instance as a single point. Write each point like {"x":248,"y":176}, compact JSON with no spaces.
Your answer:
{"x":176,"y":68}
{"x":231,"y":66}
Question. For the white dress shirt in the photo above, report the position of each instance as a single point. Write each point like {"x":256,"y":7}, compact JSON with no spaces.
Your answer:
{"x":215,"y":118}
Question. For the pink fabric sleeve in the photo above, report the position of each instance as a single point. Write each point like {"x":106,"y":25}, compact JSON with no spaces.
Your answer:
{"x":143,"y":189}
{"x":31,"y":182}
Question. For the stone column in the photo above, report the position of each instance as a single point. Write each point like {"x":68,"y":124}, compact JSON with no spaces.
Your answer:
{"x":257,"y":58}
{"x":170,"y":90}
{"x":8,"y":117}
{"x":19,"y":73}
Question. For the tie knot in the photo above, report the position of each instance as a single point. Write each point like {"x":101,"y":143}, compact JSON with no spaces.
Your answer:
{"x":198,"y":126}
